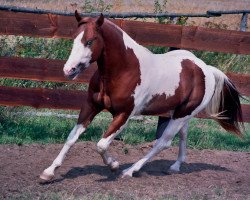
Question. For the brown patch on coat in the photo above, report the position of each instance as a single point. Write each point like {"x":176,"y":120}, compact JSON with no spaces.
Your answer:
{"x":187,"y":97}
{"x":119,"y":69}
{"x":196,"y":86}
{"x":118,"y":73}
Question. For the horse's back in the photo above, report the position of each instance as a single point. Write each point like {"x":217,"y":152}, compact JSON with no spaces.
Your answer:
{"x":179,"y":52}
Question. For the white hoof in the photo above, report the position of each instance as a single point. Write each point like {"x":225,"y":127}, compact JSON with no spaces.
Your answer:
{"x":114,"y":165}
{"x":45,"y":176}
{"x":127,"y":173}
{"x":170,"y":171}
{"x":175,"y":167}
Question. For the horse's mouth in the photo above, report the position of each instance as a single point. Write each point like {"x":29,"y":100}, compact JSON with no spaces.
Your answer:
{"x":74,"y":74}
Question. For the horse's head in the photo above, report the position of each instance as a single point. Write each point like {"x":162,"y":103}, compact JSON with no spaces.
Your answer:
{"x":87,"y":47}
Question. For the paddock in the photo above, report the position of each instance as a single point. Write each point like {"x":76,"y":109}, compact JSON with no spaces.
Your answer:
{"x":88,"y":173}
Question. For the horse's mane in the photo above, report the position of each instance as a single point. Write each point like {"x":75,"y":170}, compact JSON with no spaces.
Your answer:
{"x":108,"y":22}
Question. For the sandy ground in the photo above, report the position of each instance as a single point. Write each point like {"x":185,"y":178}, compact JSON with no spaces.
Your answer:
{"x":207,"y":174}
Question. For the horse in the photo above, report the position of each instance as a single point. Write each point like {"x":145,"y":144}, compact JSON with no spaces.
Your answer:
{"x":131,"y":80}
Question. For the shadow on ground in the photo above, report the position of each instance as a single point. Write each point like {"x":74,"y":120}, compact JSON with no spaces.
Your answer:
{"x":154,"y":168}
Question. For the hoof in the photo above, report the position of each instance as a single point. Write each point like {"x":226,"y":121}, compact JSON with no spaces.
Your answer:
{"x":127,"y":174}
{"x":46,"y":177}
{"x":170,"y":171}
{"x":114,"y":166}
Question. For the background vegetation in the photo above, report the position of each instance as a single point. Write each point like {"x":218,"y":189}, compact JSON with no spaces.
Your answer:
{"x":19,"y":128}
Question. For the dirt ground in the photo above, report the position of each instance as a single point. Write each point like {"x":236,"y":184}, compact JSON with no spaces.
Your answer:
{"x":207,"y":174}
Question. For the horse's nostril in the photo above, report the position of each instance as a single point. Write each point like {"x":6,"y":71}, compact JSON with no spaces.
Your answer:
{"x":73,"y":69}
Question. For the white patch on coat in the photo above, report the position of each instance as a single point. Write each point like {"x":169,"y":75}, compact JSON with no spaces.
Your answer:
{"x":160,"y":73}
{"x":79,"y":54}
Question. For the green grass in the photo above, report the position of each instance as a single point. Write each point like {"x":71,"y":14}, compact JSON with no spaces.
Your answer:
{"x":23,"y":46}
{"x":24,"y":129}
{"x":203,"y":134}
{"x":207,"y":134}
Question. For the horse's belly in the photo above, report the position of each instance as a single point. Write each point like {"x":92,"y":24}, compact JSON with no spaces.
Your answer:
{"x":161,"y":105}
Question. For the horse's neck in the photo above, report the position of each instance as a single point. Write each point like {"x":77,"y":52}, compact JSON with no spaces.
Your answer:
{"x":119,"y":50}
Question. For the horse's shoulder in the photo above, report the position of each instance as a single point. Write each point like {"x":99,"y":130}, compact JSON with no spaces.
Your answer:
{"x":94,"y":83}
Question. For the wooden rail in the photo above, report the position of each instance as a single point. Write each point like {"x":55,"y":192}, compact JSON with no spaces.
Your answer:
{"x":186,"y":37}
{"x":47,"y":25}
{"x":39,"y":70}
{"x":42,"y":98}
{"x":59,"y":99}
{"x":51,"y":70}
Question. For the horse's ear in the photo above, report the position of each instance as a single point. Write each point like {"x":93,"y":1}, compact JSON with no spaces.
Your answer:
{"x":100,"y":20}
{"x":77,"y":15}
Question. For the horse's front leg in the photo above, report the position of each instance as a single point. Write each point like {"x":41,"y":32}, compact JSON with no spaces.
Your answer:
{"x":88,"y":112}
{"x":117,"y":125}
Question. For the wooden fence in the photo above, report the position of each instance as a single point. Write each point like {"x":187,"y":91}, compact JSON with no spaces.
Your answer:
{"x":57,"y":26}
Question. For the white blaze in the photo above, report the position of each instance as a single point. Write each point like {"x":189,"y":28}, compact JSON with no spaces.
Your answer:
{"x":79,"y":54}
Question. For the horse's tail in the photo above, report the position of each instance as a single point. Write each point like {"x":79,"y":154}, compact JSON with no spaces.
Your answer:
{"x":225,"y":106}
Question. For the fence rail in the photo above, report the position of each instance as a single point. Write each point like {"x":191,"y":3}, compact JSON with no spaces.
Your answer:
{"x":60,"y":99}
{"x":48,"y":25}
{"x":145,"y":33}
{"x":51,"y":70}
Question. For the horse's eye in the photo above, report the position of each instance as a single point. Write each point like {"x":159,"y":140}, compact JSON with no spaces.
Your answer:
{"x":89,"y":43}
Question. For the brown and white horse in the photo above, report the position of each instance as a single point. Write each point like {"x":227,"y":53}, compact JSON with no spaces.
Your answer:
{"x":131,"y":80}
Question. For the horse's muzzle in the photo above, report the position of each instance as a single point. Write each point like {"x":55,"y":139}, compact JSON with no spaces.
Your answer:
{"x":73,"y":73}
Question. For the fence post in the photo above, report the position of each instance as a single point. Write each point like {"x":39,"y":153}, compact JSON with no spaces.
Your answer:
{"x":243,"y":24}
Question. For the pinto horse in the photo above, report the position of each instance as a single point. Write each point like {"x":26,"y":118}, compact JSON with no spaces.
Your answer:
{"x":130,"y":80}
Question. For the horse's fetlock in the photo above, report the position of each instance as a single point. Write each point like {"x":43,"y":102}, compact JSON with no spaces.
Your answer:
{"x":182,"y":158}
{"x":100,"y":150}
{"x":57,"y":163}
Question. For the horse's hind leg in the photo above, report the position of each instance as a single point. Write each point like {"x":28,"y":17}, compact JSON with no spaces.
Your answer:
{"x":164,"y":142}
{"x":182,"y":149}
{"x":86,"y":115}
